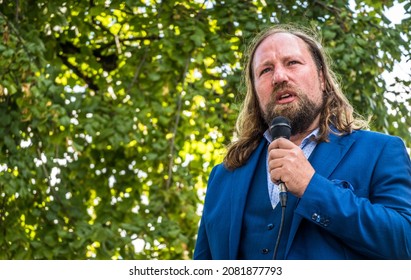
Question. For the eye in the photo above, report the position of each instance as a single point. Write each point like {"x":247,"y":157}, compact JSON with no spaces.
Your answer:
{"x":293,"y":62}
{"x":265,"y":70}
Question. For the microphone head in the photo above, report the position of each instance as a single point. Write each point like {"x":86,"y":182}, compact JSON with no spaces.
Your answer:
{"x":280,"y":127}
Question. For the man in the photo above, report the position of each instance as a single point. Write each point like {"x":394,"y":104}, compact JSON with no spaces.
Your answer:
{"x":349,"y":190}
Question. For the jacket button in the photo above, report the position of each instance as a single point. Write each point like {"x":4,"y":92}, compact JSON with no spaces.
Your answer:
{"x":270,"y":226}
{"x":265,"y":251}
{"x":316,"y":217}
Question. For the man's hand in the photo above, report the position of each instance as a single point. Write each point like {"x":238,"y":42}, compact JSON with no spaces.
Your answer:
{"x":287,"y":163}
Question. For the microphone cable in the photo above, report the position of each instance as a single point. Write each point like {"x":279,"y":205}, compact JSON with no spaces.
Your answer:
{"x":280,"y":127}
{"x":283,"y":202}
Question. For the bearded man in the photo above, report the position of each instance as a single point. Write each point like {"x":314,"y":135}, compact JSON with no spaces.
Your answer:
{"x":349,"y":189}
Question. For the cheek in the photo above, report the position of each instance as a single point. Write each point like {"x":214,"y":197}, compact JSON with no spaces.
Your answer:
{"x":315,"y":91}
{"x":264,"y":92}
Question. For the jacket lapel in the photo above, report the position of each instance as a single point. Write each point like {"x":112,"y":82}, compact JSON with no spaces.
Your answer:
{"x":240,"y":184}
{"x":327,"y":155}
{"x":324,"y":159}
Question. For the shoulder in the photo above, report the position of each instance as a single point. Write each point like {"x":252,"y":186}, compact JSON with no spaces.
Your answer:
{"x":222,"y":169}
{"x":218,"y":170}
{"x":375,"y":137}
{"x":221,"y":175}
{"x":367,"y":136}
{"x":371,"y":134}
{"x":366,"y":141}
{"x":373,"y":141}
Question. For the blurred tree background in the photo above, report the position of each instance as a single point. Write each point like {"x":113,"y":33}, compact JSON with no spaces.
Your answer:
{"x":112,"y":112}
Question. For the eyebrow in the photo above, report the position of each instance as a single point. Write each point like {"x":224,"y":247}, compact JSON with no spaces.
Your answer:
{"x":287,"y":57}
{"x":264,"y":63}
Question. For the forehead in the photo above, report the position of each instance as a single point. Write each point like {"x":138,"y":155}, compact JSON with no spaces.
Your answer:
{"x":281,"y":44}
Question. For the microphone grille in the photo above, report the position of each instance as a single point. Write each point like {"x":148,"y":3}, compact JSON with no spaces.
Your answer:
{"x":280,"y":127}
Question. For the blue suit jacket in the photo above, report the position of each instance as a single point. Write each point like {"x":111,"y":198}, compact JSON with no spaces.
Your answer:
{"x":356,"y":206}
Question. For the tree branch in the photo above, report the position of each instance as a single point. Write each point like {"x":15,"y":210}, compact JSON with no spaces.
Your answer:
{"x":178,"y":114}
{"x":176,"y":123}
{"x":76,"y":71}
{"x":137,"y":73}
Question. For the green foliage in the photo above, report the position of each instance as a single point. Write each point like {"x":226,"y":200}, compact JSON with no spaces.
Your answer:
{"x":112,"y":113}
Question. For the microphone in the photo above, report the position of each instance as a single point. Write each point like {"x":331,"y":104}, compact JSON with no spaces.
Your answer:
{"x":280,"y":127}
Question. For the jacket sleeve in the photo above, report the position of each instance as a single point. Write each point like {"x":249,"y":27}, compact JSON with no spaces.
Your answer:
{"x":370,"y":213}
{"x":202,"y":249}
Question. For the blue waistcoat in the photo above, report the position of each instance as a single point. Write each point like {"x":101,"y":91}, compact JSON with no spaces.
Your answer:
{"x":261,"y":222}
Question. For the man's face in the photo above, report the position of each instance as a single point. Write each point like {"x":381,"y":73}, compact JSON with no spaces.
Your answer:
{"x":287,"y":81}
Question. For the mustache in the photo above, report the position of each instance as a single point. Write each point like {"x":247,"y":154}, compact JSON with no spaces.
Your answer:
{"x":283,"y":86}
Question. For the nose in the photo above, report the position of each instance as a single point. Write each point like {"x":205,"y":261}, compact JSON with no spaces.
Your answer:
{"x":279,"y":76}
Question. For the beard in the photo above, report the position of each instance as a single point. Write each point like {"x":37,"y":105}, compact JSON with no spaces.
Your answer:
{"x":301,"y":112}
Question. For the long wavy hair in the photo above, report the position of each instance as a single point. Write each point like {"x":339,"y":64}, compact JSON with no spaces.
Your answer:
{"x":337,"y":112}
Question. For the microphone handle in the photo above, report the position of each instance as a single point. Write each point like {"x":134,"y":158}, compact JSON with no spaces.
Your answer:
{"x":283,"y":187}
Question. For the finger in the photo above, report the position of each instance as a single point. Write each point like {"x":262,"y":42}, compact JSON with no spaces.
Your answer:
{"x":275,"y":154}
{"x":281,"y":143}
{"x":274,"y":164}
{"x":275,"y":176}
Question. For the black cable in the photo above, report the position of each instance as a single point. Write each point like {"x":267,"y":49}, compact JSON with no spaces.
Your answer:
{"x":283,"y":201}
{"x":280,"y":127}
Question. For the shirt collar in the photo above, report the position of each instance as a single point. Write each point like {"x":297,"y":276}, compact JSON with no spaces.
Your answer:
{"x":309,"y":138}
